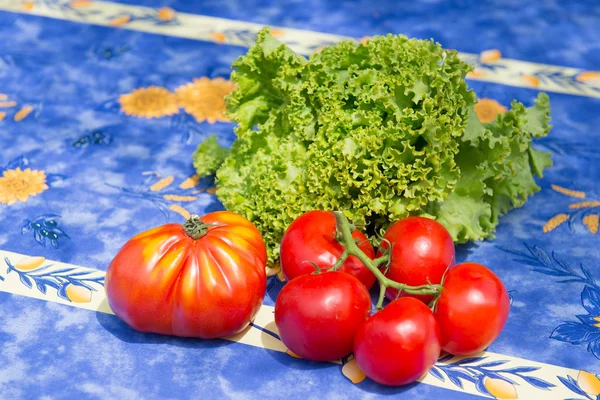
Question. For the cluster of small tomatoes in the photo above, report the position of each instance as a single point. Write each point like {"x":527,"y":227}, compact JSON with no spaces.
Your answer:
{"x":206,"y":279}
{"x":324,"y":315}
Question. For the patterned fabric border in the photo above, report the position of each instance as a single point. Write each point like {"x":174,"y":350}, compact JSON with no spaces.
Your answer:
{"x":489,"y":65}
{"x":488,"y":374}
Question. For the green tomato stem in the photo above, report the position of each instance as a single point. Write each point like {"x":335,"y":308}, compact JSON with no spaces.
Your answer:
{"x":196,"y":228}
{"x":351,"y":249}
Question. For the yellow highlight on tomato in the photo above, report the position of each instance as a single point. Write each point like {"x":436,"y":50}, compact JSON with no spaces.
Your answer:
{"x":500,"y":388}
{"x":29,"y":263}
{"x":78,"y":294}
{"x":589,"y":383}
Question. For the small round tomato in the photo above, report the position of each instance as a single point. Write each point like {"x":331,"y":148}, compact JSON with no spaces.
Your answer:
{"x":205,"y":279}
{"x":317,"y":315}
{"x":398,"y":344}
{"x":310,"y":238}
{"x":422,"y":251}
{"x":472,"y":309}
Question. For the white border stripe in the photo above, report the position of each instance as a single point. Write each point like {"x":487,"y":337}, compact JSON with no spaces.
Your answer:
{"x":13,"y":266}
{"x":219,"y":30}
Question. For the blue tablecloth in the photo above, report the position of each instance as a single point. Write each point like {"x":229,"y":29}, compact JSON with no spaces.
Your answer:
{"x":86,"y":163}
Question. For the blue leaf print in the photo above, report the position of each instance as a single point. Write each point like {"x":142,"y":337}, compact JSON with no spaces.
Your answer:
{"x":590,"y":299}
{"x":537,"y":382}
{"x":26,"y":281}
{"x":435,"y":372}
{"x":454,"y":379}
{"x":574,"y":332}
{"x":492,"y":374}
{"x":41,"y":287}
{"x":492,"y":364}
{"x":62,"y":293}
{"x":594,"y":348}
{"x":480,"y":386}
{"x":446,"y":358}
{"x":521,"y":370}
{"x":572,"y":385}
{"x":468,"y":360}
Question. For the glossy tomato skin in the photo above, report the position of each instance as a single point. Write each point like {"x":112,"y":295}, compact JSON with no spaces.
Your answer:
{"x":163,"y":281}
{"x":398,"y":344}
{"x":318,"y":315}
{"x":311,"y":237}
{"x":422,"y":250}
{"x":472,"y":309}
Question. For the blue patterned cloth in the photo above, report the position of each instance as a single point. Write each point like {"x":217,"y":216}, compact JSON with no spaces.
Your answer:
{"x":104,"y":171}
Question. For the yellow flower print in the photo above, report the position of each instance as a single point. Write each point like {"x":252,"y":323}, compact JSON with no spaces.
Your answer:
{"x":586,"y":210}
{"x":591,"y":221}
{"x":531,"y":80}
{"x":588,"y":76}
{"x":18,"y":185}
{"x":499,"y":388}
{"x":28,"y":5}
{"x":488,"y":109}
{"x":204,"y":98}
{"x":589,"y":383}
{"x":218,"y":37}
{"x":120,"y":21}
{"x":150,"y":102}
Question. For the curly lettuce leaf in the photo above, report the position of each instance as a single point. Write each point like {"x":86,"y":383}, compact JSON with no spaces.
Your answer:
{"x":382,"y":130}
{"x":209,"y":156}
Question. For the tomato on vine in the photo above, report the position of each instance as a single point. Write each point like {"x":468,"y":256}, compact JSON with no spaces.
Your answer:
{"x":311,"y":240}
{"x":472,"y":309}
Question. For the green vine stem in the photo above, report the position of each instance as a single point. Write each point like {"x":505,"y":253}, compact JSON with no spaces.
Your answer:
{"x":344,"y":229}
{"x":195,"y":227}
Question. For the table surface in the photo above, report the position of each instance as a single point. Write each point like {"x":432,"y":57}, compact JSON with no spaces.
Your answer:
{"x":82,"y":169}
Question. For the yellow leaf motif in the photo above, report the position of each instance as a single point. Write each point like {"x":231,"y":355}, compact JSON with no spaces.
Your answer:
{"x":585,"y":204}
{"x":180,"y":210}
{"x":3,"y":96}
{"x":78,"y":294}
{"x":80,"y":3}
{"x":591,"y":221}
{"x":163,"y":183}
{"x":555,"y":222}
{"x":174,"y":197}
{"x":28,"y":5}
{"x":166,"y":14}
{"x":29,"y":263}
{"x":568,"y":192}
{"x":23,"y":113}
{"x":218,"y":37}
{"x":352,"y":371}
{"x":7,"y":104}
{"x":589,"y":383}
{"x":499,"y":388}
{"x":490,"y":56}
{"x":211,"y":190}
{"x":119,"y":21}
{"x":2,"y":115}
{"x":588,"y":76}
{"x":531,"y":80}
{"x":190,"y":182}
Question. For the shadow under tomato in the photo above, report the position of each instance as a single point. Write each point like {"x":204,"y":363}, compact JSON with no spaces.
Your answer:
{"x":123,"y":332}
{"x":463,"y":251}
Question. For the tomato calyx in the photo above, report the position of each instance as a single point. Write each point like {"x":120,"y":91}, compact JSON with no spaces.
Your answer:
{"x":195,"y":228}
{"x":344,"y":234}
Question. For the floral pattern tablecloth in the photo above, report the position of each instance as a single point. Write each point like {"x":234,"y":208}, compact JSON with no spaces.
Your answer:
{"x":101,"y":107}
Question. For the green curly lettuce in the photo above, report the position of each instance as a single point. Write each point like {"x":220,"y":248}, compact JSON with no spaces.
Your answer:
{"x":382,"y":130}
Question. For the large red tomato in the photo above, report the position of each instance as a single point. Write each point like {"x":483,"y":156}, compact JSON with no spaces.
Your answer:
{"x":317,"y":315}
{"x":398,"y":344}
{"x":311,"y":239}
{"x":472,"y":309}
{"x":204,"y":279}
{"x":422,"y":250}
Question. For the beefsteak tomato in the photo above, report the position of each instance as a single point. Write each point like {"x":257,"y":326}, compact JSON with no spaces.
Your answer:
{"x":203,"y":279}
